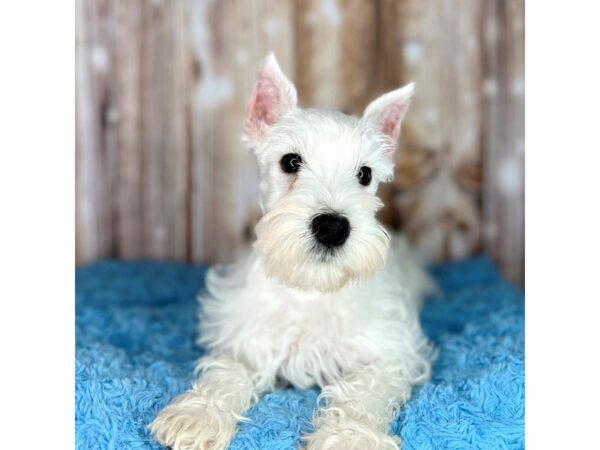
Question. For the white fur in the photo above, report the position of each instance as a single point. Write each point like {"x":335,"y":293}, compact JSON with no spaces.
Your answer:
{"x":346,"y":321}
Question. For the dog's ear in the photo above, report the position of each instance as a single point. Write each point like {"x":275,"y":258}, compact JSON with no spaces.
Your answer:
{"x":274,"y":96}
{"x":387,"y":112}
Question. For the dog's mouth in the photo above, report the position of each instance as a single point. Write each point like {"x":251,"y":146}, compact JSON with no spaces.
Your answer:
{"x":324,"y":254}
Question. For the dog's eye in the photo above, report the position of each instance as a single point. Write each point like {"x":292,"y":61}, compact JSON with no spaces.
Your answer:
{"x":291,"y":163}
{"x":364,"y":175}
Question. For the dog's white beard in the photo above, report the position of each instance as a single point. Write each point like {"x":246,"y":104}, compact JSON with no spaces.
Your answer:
{"x":292,"y":255}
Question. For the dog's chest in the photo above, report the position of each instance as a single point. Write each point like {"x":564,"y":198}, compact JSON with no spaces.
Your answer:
{"x":311,"y":341}
{"x":306,"y":339}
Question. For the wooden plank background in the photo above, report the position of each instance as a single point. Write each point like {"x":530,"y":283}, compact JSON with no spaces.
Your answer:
{"x":162,"y":89}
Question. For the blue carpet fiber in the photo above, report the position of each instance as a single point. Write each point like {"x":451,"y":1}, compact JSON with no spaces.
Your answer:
{"x":135,"y":333}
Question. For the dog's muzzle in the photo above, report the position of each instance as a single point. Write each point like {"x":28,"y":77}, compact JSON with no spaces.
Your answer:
{"x":330,"y":229}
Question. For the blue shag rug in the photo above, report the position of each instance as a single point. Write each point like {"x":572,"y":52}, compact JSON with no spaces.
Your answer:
{"x":135,"y":334}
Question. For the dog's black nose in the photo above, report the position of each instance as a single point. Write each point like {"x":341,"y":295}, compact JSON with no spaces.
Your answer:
{"x":330,"y":229}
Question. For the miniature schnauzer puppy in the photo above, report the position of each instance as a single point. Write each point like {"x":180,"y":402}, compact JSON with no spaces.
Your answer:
{"x":324,"y":298}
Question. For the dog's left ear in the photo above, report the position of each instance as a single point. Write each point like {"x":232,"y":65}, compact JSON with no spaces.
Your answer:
{"x":387,"y":112}
{"x":274,"y":96}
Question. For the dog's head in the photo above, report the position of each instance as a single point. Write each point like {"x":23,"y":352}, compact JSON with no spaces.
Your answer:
{"x":319,"y":172}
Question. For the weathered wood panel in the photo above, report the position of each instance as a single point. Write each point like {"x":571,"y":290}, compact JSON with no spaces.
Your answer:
{"x":127,"y":73}
{"x":162,"y":90}
{"x":436,"y":44}
{"x":504,"y":162}
{"x":229,"y":41}
{"x":165,"y":116}
{"x":95,"y":136}
{"x":335,"y":53}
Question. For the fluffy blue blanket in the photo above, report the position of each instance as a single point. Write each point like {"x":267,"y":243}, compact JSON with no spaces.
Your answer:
{"x":135,"y":333}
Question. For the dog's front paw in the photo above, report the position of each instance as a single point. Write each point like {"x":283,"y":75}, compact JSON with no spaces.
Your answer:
{"x":188,"y":423}
{"x":349,"y":434}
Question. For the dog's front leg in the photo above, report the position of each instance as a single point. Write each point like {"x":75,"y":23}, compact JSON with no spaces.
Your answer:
{"x":355,"y":413}
{"x":206,"y":416}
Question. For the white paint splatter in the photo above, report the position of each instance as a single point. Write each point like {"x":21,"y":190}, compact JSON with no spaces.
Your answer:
{"x":214,"y":91}
{"x":490,"y":87}
{"x":431,"y":115}
{"x":99,"y":58}
{"x":112,"y":115}
{"x":470,"y":138}
{"x":509,"y":176}
{"x":273,"y":26}
{"x":412,"y":52}
{"x":517,"y":87}
{"x":242,"y":56}
{"x":331,"y":12}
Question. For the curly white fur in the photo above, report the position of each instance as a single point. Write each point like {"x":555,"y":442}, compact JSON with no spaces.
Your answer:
{"x":344,"y":320}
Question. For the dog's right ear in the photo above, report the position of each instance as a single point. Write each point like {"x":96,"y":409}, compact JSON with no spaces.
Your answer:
{"x":274,"y":96}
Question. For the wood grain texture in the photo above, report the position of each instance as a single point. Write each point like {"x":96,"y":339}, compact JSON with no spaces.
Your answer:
{"x":335,"y":53}
{"x":127,"y":73}
{"x":504,"y":145}
{"x":437,"y":45}
{"x":94,"y":132}
{"x":162,"y":91}
{"x":165,"y":82}
{"x":229,"y":40}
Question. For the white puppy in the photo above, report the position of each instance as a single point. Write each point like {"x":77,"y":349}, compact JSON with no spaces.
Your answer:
{"x":320,"y":300}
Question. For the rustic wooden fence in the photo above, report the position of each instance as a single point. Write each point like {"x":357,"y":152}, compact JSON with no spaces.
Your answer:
{"x":162,"y":88}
